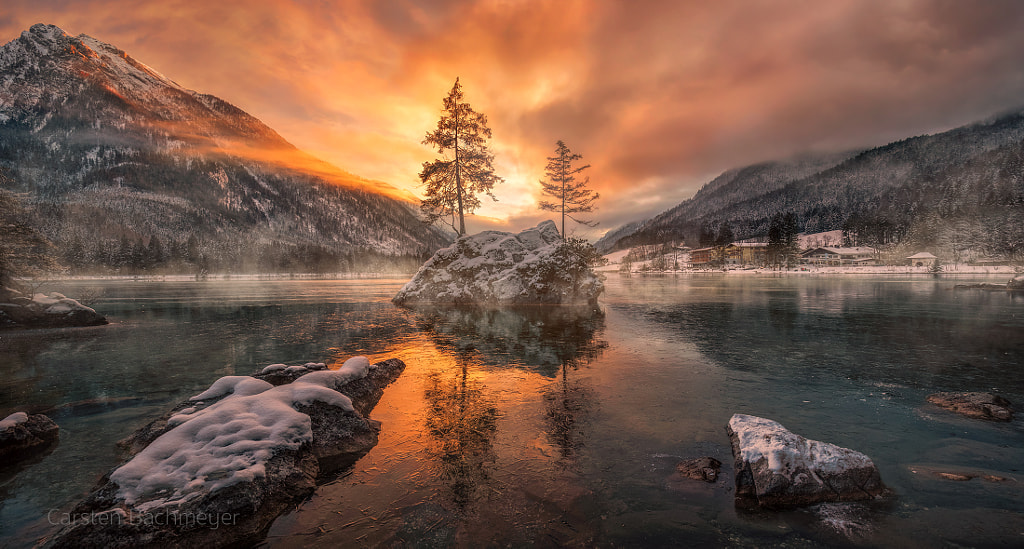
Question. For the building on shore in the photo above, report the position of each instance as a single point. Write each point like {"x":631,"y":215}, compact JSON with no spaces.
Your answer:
{"x":834,"y":256}
{"x":922,"y":259}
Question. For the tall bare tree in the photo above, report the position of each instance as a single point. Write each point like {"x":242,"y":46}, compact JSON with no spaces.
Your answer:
{"x":570,"y":194}
{"x":466,"y":167}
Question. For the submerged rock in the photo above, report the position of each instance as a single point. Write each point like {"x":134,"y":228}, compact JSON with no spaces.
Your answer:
{"x":975,"y":405}
{"x":44,"y":311}
{"x":221,"y":467}
{"x":499,"y":268}
{"x":777,"y":468}
{"x":23,"y":435}
{"x":705,"y":468}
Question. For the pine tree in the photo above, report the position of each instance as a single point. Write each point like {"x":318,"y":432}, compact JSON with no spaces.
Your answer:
{"x":466,"y":168}
{"x":571,"y":195}
{"x":783,"y":242}
{"x":24,"y":251}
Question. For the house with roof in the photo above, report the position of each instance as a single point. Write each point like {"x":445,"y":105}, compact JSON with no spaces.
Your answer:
{"x":747,"y":253}
{"x":702,"y":257}
{"x":836,"y":256}
{"x":923,"y":259}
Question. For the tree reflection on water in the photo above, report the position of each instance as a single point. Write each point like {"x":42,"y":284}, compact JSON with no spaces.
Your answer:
{"x":462,"y":422}
{"x":463,"y":412}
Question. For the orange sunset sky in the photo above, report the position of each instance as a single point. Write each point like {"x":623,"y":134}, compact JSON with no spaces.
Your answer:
{"x":659,"y":97}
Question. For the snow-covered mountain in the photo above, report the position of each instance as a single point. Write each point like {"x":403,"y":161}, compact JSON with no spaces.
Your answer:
{"x":963,"y":188}
{"x":108,"y":151}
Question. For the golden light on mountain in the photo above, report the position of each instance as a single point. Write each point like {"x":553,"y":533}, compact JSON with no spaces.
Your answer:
{"x":658,"y":97}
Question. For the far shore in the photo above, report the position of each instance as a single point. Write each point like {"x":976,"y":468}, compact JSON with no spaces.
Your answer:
{"x":219,"y":276}
{"x":948,"y":270}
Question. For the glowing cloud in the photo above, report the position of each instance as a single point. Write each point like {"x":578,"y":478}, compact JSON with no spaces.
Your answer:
{"x":658,"y":96}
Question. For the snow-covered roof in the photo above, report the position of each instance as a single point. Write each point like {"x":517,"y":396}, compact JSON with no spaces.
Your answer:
{"x":922,"y":255}
{"x":844,"y":251}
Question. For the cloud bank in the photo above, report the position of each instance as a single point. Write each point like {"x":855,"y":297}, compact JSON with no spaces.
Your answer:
{"x":659,"y":97}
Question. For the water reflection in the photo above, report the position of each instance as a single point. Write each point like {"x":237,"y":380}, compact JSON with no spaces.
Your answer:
{"x":913,"y":333}
{"x":568,"y":404}
{"x":543,"y":339}
{"x":461,"y":408}
{"x":461,"y":419}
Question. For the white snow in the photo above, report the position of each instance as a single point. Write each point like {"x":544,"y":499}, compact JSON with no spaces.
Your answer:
{"x":56,"y":303}
{"x":494,"y":266}
{"x":231,"y":440}
{"x":16,"y":418}
{"x":238,"y":385}
{"x":273,"y":368}
{"x":761,"y":438}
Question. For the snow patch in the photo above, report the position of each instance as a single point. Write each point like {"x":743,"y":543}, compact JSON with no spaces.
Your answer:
{"x":231,"y":440}
{"x":761,"y":438}
{"x":238,"y":385}
{"x":17,"y":418}
{"x":273,"y":368}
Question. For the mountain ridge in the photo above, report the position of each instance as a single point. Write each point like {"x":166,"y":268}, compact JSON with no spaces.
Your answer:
{"x":952,"y":190}
{"x":106,"y":149}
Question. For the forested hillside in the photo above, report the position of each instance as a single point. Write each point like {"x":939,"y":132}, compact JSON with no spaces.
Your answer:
{"x":127,"y":171}
{"x":961,"y":191}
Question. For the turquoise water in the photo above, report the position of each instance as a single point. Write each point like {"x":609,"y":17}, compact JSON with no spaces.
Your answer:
{"x":563,"y":427}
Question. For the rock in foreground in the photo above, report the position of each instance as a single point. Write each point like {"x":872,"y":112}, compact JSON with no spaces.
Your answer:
{"x":44,"y":311}
{"x":498,"y":268}
{"x":23,"y":435}
{"x":777,"y":468}
{"x":220,"y":468}
{"x":705,"y":468}
{"x":975,"y":405}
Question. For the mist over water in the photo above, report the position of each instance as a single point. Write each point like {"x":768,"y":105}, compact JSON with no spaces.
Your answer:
{"x":562,"y":426}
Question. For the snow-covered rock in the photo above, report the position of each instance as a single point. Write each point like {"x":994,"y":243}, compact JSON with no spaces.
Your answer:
{"x":975,"y":405}
{"x":499,"y":268}
{"x":777,"y":468}
{"x":52,"y":310}
{"x":1016,"y":283}
{"x":23,"y":435}
{"x":217,"y":469}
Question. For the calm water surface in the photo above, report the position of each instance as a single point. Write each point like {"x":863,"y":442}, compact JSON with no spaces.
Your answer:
{"x":562,"y":426}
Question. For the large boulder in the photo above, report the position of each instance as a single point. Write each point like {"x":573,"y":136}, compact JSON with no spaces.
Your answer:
{"x":23,"y":435}
{"x":777,"y":468}
{"x":975,"y":405}
{"x":220,"y":468}
{"x":52,"y":310}
{"x":499,"y":268}
{"x":1016,"y":283}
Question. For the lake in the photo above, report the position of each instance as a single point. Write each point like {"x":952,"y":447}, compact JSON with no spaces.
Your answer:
{"x":552,"y":426}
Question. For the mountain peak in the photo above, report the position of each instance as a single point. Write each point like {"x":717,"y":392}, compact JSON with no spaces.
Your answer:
{"x":48,"y":48}
{"x":44,"y":32}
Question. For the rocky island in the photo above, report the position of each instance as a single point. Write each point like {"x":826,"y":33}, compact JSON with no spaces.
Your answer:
{"x":534,"y":266}
{"x":52,"y":310}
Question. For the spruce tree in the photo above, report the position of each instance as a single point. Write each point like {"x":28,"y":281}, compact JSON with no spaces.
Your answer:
{"x":466,"y":168}
{"x":570,"y":194}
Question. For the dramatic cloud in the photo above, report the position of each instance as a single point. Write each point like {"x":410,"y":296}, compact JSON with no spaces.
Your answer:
{"x":658,"y":96}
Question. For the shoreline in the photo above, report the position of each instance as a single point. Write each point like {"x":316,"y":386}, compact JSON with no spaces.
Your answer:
{"x":220,"y":277}
{"x":948,"y":271}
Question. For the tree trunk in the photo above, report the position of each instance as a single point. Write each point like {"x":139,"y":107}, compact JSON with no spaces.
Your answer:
{"x":458,"y":175}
